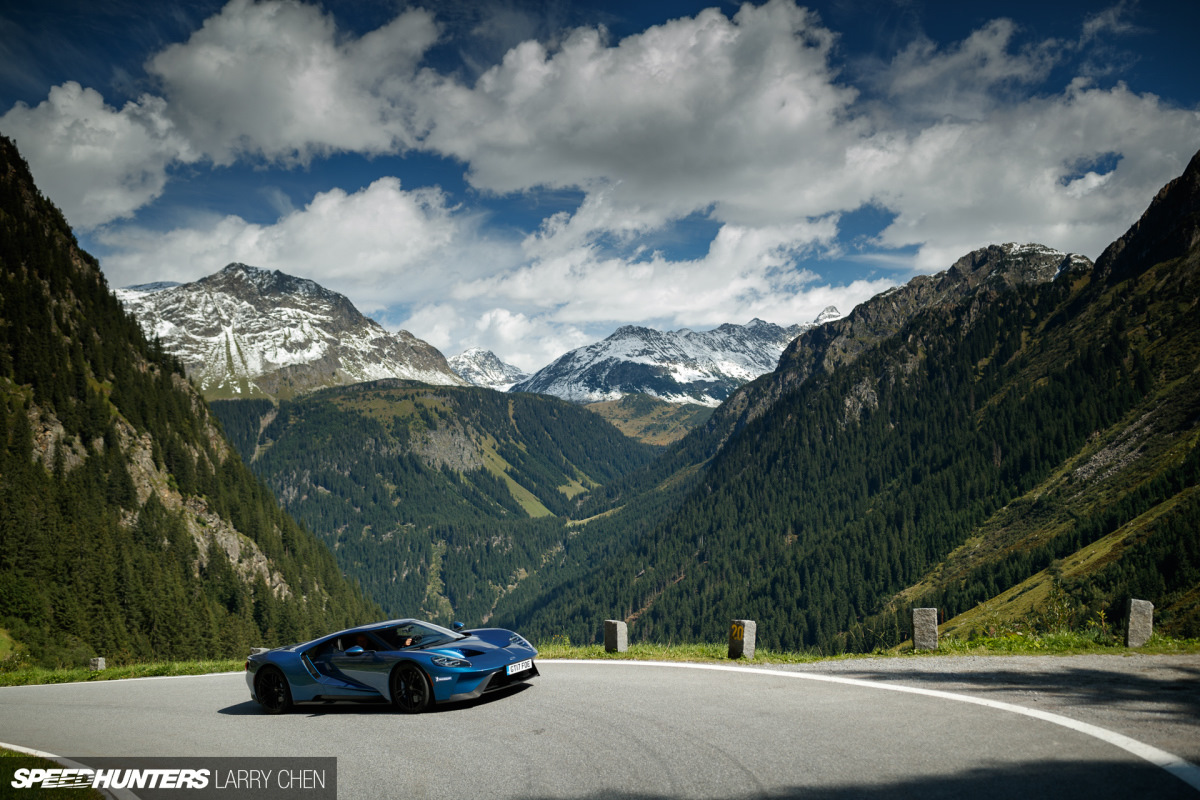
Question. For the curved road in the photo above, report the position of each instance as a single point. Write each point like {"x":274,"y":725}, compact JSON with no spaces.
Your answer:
{"x":601,"y":729}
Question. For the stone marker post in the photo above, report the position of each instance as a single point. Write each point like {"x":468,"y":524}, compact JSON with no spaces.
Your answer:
{"x":616,"y":636}
{"x":1141,"y":623}
{"x":97,"y":664}
{"x":925,"y":631}
{"x":742,"y":633}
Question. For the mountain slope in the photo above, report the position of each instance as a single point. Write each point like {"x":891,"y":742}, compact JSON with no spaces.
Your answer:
{"x":838,"y":342}
{"x":683,"y":366}
{"x":1118,"y":520}
{"x":982,"y":272}
{"x":128,"y":528}
{"x":434,"y":498}
{"x":247,"y":332}
{"x":1015,"y":381}
{"x":651,"y":420}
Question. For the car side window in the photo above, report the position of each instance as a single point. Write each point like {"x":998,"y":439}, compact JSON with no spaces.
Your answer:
{"x":323,"y":649}
{"x":402,"y":636}
{"x":390,"y":635}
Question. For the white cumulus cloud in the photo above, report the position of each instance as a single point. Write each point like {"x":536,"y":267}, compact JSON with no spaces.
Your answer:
{"x":737,"y":114}
{"x":748,"y":123}
{"x":959,"y":185}
{"x":277,"y":80}
{"x":97,"y":163}
{"x":380,"y":246}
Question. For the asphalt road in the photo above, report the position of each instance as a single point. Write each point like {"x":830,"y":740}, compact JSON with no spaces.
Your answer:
{"x":607,"y":729}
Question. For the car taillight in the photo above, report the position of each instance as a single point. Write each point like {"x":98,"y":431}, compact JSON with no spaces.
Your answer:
{"x":247,"y":665}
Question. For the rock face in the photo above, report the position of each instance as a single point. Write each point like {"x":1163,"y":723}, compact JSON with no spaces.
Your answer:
{"x":681,"y":366}
{"x":1000,"y":266}
{"x":480,"y":367}
{"x":1170,"y":228}
{"x":247,"y":332}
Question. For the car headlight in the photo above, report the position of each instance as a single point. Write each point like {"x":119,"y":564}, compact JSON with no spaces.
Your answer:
{"x":517,"y":638}
{"x":448,"y":661}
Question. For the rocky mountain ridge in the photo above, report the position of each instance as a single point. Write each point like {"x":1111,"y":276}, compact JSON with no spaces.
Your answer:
{"x":841,"y":341}
{"x":1169,"y":229}
{"x":247,"y":332}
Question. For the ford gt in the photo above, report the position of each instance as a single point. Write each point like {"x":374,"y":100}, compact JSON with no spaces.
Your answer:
{"x":406,"y":662}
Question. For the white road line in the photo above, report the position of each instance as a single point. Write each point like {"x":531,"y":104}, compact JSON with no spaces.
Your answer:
{"x":1184,"y":770}
{"x":29,"y":751}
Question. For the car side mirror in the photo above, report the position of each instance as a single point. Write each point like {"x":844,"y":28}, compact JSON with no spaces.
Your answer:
{"x":355,"y":651}
{"x":458,"y":626}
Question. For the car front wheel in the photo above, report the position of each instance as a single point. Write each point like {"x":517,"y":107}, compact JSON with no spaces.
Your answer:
{"x":410,"y":689}
{"x":273,"y":691}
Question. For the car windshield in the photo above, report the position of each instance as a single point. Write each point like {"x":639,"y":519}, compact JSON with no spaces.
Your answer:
{"x":416,"y":634}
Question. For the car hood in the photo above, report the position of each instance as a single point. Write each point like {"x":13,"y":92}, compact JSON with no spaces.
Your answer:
{"x":490,"y":641}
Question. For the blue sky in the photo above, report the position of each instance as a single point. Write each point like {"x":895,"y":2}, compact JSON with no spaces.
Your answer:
{"x":528,"y":176}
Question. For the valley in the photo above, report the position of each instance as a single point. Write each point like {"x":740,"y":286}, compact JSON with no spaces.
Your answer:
{"x":434,"y":499}
{"x":970,"y":437}
{"x":1012,"y":440}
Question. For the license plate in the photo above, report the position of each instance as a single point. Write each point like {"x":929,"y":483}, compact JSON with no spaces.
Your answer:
{"x":520,"y":666}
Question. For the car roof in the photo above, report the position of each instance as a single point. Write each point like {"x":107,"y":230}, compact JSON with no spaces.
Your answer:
{"x":391,"y":623}
{"x":370,"y":626}
{"x":373,"y":626}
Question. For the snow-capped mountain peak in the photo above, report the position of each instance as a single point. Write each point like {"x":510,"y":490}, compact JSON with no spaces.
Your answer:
{"x":246,"y":331}
{"x":828,"y":314}
{"x":682,"y":366}
{"x":483,"y":368}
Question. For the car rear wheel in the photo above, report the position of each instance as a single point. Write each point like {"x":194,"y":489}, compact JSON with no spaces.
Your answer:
{"x":273,"y":691}
{"x":410,"y":689}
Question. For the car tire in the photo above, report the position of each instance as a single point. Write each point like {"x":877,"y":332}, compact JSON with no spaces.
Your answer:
{"x":411,"y":692}
{"x":272,"y":691}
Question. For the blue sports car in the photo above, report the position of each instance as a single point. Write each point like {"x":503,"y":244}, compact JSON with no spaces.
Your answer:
{"x":406,"y":662}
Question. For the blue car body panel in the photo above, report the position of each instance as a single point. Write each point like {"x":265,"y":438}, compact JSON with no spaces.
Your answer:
{"x":357,"y":664}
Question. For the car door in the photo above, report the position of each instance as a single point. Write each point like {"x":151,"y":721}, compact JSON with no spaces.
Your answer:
{"x":362,"y":664}
{"x":327,"y":663}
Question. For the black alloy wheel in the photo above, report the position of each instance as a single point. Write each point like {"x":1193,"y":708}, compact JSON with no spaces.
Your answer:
{"x":410,"y":689}
{"x":273,"y":691}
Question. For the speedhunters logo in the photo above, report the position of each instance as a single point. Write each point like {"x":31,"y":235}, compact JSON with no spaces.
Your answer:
{"x":149,"y":778}
{"x":110,"y":778}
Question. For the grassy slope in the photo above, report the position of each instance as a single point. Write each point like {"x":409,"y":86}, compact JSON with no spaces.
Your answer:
{"x":1033,"y":594}
{"x":37,"y":675}
{"x":409,"y":402}
{"x":386,"y":410}
{"x":497,"y":466}
{"x":650,"y":420}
